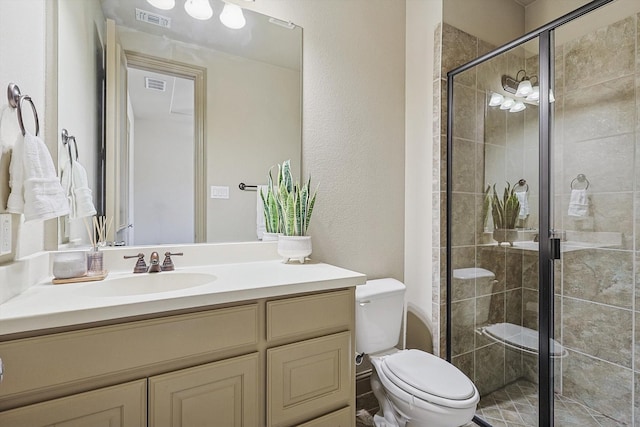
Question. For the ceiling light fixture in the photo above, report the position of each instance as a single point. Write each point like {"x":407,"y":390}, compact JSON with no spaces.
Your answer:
{"x":162,"y":4}
{"x":232,"y":16}
{"x":198,"y":9}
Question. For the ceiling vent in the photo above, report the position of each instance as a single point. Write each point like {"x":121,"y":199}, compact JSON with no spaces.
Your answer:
{"x":153,"y":18}
{"x":155,"y":84}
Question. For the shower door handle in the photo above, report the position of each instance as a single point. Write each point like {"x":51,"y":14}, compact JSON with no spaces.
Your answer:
{"x":555,"y":248}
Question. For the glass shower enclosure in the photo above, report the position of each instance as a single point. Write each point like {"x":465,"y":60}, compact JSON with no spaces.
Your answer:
{"x":542,"y":211}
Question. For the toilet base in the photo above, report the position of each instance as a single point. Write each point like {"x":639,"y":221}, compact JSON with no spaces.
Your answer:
{"x":396,"y":412}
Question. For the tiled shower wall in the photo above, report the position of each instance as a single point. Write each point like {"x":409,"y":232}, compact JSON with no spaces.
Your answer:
{"x":597,"y":120}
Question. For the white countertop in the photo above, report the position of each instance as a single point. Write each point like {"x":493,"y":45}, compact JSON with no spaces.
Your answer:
{"x":45,"y":306}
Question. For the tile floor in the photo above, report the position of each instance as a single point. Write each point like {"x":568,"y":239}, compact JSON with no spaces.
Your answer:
{"x":516,"y":406}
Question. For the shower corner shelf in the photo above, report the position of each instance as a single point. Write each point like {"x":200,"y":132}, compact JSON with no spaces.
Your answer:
{"x":520,"y":338}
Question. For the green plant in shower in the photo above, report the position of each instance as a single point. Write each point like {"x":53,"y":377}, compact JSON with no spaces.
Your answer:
{"x":505,"y":210}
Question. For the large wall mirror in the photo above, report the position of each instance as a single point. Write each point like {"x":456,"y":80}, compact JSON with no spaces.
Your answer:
{"x":171,"y":113}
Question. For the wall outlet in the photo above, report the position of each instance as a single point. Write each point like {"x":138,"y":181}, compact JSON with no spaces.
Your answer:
{"x":5,"y":234}
{"x":218,"y":192}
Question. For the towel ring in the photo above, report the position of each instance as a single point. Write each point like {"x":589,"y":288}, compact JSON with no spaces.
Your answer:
{"x":581,"y":178}
{"x":65,"y":141}
{"x":15,"y":101}
{"x":523,"y":183}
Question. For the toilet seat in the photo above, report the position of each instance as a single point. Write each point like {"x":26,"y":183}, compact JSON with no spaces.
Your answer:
{"x":429,"y":378}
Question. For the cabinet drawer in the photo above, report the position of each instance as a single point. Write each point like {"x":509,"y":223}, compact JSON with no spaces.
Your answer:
{"x":223,"y":393}
{"x":309,"y":315}
{"x":308,"y":379}
{"x":341,"y":418}
{"x":125,"y":350}
{"x":123,"y":405}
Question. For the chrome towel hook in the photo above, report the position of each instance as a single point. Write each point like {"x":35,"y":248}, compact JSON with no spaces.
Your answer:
{"x":15,"y":101}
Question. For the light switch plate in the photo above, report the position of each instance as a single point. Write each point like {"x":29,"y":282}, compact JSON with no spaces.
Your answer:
{"x":219,"y":192}
{"x":5,"y":234}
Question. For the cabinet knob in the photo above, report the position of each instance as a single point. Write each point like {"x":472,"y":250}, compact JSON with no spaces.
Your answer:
{"x":1,"y":370}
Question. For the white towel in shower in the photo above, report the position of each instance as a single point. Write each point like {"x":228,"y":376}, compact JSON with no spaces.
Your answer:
{"x":523,"y":198}
{"x":578,"y":203}
{"x":35,"y":188}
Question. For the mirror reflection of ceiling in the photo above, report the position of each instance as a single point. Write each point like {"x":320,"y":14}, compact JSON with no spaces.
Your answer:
{"x":274,"y":46}
{"x":160,"y":96}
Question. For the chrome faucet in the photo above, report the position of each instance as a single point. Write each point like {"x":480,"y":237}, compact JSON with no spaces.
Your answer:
{"x":154,"y":262}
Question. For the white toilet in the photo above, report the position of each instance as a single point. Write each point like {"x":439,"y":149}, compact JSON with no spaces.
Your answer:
{"x":413,"y":388}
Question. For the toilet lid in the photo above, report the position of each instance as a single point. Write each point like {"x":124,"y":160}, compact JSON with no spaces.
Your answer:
{"x":429,"y":374}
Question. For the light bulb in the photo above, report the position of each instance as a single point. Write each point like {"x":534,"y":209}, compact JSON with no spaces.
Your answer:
{"x":232,"y":16}
{"x":534,"y":95}
{"x":198,"y":9}
{"x":518,"y":106}
{"x":524,"y":88}
{"x":162,"y":4}
{"x":507,"y":104}
{"x":496,"y":99}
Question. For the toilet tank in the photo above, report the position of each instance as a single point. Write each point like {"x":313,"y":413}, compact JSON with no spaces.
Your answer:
{"x":379,"y":311}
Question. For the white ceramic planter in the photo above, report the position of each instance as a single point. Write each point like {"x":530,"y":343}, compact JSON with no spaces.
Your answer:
{"x":270,"y":237}
{"x":294,"y":248}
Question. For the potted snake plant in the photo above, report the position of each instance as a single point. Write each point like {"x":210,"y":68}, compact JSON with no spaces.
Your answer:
{"x":504,"y":212}
{"x":295,"y":206}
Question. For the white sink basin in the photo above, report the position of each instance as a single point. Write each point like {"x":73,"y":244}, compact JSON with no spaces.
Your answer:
{"x":146,"y":283}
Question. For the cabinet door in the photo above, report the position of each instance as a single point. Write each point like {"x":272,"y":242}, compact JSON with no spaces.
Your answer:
{"x":223,"y":394}
{"x":118,"y":406}
{"x":308,"y":379}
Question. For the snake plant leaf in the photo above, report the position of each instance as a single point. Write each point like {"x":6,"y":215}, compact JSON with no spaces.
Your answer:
{"x":310,"y":210}
{"x":286,"y":175}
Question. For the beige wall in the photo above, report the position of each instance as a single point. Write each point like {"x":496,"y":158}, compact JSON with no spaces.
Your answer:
{"x":494,"y":21}
{"x":353,"y":127}
{"x":422,"y":19}
{"x":22,"y":61}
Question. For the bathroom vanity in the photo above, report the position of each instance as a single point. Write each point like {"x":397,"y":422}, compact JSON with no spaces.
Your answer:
{"x":264,"y":344}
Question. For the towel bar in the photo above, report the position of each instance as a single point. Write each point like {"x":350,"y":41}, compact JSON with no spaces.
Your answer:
{"x":15,"y":101}
{"x":244,"y":186}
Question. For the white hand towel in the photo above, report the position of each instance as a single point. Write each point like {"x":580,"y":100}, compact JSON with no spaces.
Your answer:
{"x":76,"y":187}
{"x":9,"y":128}
{"x":83,"y":195}
{"x":523,"y":198}
{"x":261,"y":226}
{"x":35,"y":188}
{"x":578,"y":203}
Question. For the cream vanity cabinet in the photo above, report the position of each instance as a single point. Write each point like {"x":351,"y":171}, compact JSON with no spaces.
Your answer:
{"x":274,"y":362}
